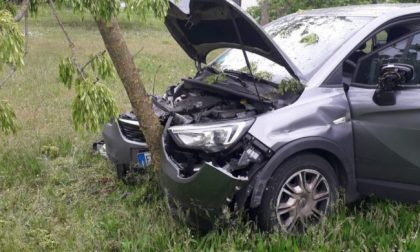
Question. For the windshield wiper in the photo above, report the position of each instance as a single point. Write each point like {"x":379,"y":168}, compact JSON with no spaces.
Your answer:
{"x":251,"y":76}
{"x":236,"y":72}
{"x":228,"y":72}
{"x":230,"y":75}
{"x":212,"y":69}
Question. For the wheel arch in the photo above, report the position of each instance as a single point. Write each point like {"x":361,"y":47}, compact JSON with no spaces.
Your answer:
{"x":342,"y":163}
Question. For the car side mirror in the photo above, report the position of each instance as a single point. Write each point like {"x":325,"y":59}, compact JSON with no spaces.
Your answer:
{"x":391,"y":76}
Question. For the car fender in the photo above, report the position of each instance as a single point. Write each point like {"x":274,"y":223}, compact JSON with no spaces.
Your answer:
{"x":301,"y":145}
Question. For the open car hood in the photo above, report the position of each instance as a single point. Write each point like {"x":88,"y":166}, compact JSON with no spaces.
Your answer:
{"x":201,"y":26}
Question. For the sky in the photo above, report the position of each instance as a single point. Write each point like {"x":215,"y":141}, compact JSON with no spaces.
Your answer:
{"x":248,"y":3}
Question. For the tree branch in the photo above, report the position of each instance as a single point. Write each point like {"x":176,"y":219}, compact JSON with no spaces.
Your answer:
{"x":9,"y":75}
{"x":69,"y":41}
{"x":26,"y":32}
{"x":92,"y":59}
{"x":24,"y":6}
{"x":138,"y":52}
{"x":55,"y":14}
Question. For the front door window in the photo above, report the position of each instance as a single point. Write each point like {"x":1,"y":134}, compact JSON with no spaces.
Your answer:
{"x":369,"y":67}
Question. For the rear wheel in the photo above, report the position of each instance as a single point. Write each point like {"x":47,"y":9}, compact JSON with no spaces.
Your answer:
{"x":300,"y":193}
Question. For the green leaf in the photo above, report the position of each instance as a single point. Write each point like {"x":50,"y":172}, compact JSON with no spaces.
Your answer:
{"x":12,"y":41}
{"x":256,"y":72}
{"x":310,"y":39}
{"x":106,"y":9}
{"x":4,"y":5}
{"x":93,"y":106}
{"x":292,"y":86}
{"x":102,"y":66}
{"x":213,"y":78}
{"x":67,"y":70}
{"x":7,"y":118}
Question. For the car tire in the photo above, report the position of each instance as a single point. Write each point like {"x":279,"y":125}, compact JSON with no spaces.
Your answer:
{"x":301,"y":191}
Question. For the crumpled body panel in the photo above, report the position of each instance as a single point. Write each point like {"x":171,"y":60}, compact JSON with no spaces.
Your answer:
{"x":320,"y":112}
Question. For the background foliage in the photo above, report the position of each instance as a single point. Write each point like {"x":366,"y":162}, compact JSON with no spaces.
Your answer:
{"x":278,"y":8}
{"x":12,"y":47}
{"x":93,"y":104}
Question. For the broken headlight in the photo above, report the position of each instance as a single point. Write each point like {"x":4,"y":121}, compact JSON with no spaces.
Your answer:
{"x":210,"y":137}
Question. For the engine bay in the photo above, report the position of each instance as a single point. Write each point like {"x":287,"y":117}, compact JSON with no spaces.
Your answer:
{"x":212,"y":97}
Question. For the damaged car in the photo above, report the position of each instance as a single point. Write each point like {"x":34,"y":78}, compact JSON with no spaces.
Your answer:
{"x":290,"y":113}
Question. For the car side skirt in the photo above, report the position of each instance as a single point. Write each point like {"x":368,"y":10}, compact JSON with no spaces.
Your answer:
{"x":390,"y":190}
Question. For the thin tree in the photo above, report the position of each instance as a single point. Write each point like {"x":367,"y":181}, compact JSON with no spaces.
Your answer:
{"x":93,"y":104}
{"x":265,"y":12}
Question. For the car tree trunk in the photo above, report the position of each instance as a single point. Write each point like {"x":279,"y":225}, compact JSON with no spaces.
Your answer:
{"x":264,"y":12}
{"x":134,"y":86}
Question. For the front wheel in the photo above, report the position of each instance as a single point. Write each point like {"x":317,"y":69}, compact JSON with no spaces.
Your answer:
{"x":300,"y":193}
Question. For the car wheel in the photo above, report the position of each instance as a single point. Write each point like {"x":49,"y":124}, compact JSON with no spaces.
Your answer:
{"x":299,"y":194}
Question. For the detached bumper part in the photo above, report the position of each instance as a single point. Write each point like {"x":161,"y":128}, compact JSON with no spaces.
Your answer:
{"x":203,"y":194}
{"x":100,"y":148}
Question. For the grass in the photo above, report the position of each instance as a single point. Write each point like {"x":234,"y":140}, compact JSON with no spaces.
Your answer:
{"x":72,"y":201}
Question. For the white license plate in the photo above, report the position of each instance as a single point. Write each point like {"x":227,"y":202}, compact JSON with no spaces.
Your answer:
{"x":144,"y":159}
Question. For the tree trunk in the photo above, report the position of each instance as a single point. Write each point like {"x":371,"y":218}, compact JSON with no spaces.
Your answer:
{"x":264,"y":13}
{"x":130,"y":77}
{"x":23,"y":9}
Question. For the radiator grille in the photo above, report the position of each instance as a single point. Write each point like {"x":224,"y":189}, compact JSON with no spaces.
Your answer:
{"x":131,"y":131}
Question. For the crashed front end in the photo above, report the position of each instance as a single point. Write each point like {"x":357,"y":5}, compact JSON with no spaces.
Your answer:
{"x":208,"y":156}
{"x":200,"y":184}
{"x":201,"y":196}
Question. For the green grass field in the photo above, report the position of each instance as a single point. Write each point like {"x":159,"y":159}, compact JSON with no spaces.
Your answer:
{"x":73,"y":202}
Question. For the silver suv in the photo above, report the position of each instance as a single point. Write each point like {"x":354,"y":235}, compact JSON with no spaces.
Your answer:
{"x":288,"y":114}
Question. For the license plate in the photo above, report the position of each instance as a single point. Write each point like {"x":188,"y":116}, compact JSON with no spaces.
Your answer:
{"x":144,"y":159}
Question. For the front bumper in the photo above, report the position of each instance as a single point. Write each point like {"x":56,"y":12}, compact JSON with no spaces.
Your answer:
{"x":204,"y":194}
{"x":120,"y":150}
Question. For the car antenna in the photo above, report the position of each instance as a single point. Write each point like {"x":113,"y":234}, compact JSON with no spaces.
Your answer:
{"x":238,"y":34}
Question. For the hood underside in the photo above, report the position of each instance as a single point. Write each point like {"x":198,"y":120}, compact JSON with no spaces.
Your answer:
{"x":201,"y":26}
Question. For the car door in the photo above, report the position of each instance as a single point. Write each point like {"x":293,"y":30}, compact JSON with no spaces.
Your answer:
{"x":387,"y":137}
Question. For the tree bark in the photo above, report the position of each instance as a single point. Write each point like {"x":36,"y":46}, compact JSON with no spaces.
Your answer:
{"x":264,"y":12}
{"x":23,"y":9}
{"x":130,"y":77}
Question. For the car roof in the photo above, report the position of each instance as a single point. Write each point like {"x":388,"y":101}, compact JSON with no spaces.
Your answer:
{"x":369,"y":10}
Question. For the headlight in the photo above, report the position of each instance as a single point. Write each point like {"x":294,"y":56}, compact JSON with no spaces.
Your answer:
{"x":210,"y":137}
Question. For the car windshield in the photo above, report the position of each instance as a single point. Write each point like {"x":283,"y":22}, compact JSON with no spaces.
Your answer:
{"x":308,"y":41}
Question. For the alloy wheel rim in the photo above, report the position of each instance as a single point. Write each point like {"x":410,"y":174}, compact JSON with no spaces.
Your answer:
{"x":303,"y":200}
